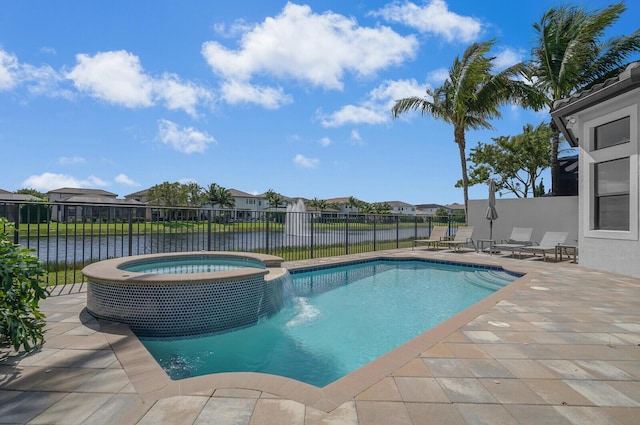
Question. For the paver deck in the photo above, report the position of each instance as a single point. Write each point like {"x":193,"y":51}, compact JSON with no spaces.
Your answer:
{"x":558,"y":346}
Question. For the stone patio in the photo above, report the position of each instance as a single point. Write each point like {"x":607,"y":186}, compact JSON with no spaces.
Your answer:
{"x":559,"y":346}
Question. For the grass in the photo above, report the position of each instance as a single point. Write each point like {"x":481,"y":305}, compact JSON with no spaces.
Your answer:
{"x":68,"y":273}
{"x":123,"y":228}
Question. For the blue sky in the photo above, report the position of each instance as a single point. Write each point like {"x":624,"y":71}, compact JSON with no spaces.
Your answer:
{"x":293,"y":97}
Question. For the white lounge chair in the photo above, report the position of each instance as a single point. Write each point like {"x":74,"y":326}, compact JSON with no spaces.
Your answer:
{"x":462,"y":238}
{"x":520,"y":237}
{"x":549,"y":243}
{"x":438,"y":234}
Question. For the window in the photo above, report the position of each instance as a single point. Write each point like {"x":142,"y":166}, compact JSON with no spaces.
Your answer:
{"x":612,"y":133}
{"x":610,"y":162}
{"x":612,"y":195}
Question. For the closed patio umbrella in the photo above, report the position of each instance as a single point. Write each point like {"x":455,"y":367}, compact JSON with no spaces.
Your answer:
{"x":492,"y":213}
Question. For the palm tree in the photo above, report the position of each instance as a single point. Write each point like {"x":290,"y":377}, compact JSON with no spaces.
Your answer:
{"x":218,"y":195}
{"x":471,"y":96}
{"x":274,"y":198}
{"x":571,"y":56}
{"x":318,"y":204}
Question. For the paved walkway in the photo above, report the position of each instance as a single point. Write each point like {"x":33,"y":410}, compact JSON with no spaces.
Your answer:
{"x":559,"y":346}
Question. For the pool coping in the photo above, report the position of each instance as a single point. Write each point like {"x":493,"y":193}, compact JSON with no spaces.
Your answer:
{"x":151,"y":382}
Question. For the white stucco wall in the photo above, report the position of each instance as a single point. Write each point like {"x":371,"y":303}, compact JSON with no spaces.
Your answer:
{"x":544,"y":214}
{"x":616,"y":252}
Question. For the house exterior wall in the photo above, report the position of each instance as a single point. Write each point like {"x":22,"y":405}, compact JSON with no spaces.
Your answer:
{"x":611,"y":251}
{"x":544,"y":214}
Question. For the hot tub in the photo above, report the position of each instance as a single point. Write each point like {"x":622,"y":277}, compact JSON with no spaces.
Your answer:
{"x":236,"y":291}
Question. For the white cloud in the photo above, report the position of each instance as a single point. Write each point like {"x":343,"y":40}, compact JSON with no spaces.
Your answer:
{"x":507,"y":57}
{"x":70,"y":160}
{"x":48,"y":50}
{"x":304,"y":162}
{"x":238,"y":92}
{"x":438,"y":76}
{"x":434,"y":18}
{"x":355,"y":138}
{"x":324,"y":142}
{"x":38,"y":79}
{"x":351,"y":114}
{"x":316,"y":49}
{"x":8,"y":70}
{"x":186,"y":139}
{"x":118,"y":77}
{"x":376,"y":107}
{"x":50,"y":181}
{"x":124,"y":179}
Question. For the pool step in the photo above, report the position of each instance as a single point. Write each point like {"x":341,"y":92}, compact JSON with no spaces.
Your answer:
{"x":490,"y":279}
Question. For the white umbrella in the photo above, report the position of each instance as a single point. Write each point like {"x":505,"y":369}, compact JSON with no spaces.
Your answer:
{"x":492,"y":214}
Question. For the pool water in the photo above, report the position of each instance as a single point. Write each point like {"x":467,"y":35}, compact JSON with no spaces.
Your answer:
{"x":190,"y":265}
{"x":339,"y":320}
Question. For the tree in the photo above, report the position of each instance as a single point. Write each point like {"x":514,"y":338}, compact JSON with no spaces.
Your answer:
{"x":471,"y":96}
{"x":218,"y":195}
{"x":167,"y":194}
{"x":32,"y":192}
{"x":355,"y":203}
{"x":570,"y":56}
{"x":274,"y":198}
{"x":22,"y":324}
{"x":378,"y":208}
{"x":514,"y":162}
{"x":318,"y":204}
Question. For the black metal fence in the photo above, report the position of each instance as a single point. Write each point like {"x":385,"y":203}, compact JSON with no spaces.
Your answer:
{"x":67,"y":237}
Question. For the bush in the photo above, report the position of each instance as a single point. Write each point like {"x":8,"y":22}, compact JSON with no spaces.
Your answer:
{"x":21,"y":289}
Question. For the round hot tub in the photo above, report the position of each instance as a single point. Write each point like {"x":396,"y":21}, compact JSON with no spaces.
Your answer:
{"x":179,"y":294}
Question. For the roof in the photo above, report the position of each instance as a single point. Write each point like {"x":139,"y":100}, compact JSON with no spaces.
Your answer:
{"x":79,"y":191}
{"x":627,"y":80}
{"x":399,"y":204}
{"x":428,"y":206}
{"x":238,"y":194}
{"x":139,"y":193}
{"x":84,"y":199}
{"x":18,"y":197}
{"x":455,"y":206}
{"x":343,"y":200}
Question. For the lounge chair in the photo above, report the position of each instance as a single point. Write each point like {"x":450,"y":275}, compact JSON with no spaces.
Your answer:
{"x":461,"y":239}
{"x":549,"y":243}
{"x":520,"y":237}
{"x":438,"y":234}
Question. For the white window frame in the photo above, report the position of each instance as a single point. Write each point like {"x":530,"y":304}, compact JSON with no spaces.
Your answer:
{"x":591,"y":157}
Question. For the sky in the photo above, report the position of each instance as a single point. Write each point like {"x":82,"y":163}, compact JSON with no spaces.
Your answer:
{"x":251,"y":95}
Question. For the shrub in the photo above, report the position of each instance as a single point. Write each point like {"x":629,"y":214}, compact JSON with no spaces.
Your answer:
{"x":21,"y":289}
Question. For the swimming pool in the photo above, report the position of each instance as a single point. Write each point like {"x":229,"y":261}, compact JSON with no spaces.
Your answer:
{"x":340,"y":319}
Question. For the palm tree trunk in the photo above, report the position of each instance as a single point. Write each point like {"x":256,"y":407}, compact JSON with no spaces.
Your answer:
{"x":461,"y":142}
{"x":555,"y":143}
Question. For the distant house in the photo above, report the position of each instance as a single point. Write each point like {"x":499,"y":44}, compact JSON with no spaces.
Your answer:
{"x":84,"y":205}
{"x":428,"y":210}
{"x":247,"y":205}
{"x":455,"y":209}
{"x":604,"y":122}
{"x":399,"y":207}
{"x":10,"y":202}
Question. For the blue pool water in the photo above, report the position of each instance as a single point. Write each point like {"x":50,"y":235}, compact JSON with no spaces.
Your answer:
{"x":340,"y":319}
{"x":190,"y":265}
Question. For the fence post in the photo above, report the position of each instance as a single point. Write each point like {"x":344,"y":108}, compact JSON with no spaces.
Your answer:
{"x":266,"y":236}
{"x":16,"y":225}
{"x":130,"y":231}
{"x":209,"y":229}
{"x":346,"y":235}
{"x":397,"y":231}
{"x":375,"y":233}
{"x":311,"y":219}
